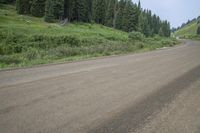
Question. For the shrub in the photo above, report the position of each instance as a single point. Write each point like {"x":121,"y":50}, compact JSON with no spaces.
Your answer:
{"x":139,"y":45}
{"x":136,"y":36}
{"x":157,"y":38}
{"x":9,"y":59}
{"x":198,"y":30}
{"x":32,"y":54}
{"x":67,"y":51}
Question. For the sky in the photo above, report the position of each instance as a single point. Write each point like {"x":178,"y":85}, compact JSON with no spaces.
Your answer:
{"x":175,"y":11}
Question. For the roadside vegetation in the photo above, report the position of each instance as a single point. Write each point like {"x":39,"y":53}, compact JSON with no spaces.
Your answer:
{"x":26,"y":40}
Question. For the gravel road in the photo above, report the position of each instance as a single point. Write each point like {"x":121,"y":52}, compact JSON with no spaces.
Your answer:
{"x":152,"y":92}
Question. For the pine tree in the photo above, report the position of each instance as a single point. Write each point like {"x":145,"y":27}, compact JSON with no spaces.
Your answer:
{"x":89,"y":10}
{"x":198,"y":30}
{"x":49,"y":11}
{"x":23,"y":6}
{"x":110,"y":13}
{"x":134,"y":18}
{"x":119,"y":16}
{"x":38,"y":8}
{"x":58,"y":9}
{"x":161,"y":33}
{"x":128,"y":17}
{"x":66,"y":9}
{"x":166,"y":28}
{"x":99,"y":11}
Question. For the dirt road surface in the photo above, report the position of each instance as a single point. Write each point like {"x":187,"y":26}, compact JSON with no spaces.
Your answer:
{"x":153,"y":92}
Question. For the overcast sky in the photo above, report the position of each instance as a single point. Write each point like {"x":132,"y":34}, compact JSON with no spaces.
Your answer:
{"x":175,"y":11}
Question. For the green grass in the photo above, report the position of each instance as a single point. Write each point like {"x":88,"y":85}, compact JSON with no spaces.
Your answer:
{"x":189,"y":31}
{"x":27,"y":40}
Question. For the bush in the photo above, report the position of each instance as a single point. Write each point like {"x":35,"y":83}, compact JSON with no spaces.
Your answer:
{"x":139,"y":45}
{"x":4,"y":59}
{"x":66,"y":51}
{"x":198,"y":30}
{"x":32,"y":54}
{"x":136,"y":36}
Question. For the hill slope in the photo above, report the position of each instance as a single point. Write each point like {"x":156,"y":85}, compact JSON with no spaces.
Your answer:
{"x":189,"y":30}
{"x":26,"y":40}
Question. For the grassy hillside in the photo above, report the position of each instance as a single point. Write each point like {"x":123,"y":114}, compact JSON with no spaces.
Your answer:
{"x":26,"y":40}
{"x":189,"y":30}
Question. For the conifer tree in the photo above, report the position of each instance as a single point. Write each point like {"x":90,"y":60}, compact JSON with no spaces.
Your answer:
{"x":66,"y":9}
{"x":161,"y":33}
{"x":128,"y":17}
{"x":110,"y":13}
{"x":79,"y":10}
{"x":99,"y":11}
{"x":58,"y":9}
{"x":23,"y":6}
{"x":49,"y":11}
{"x":89,"y":10}
{"x":198,"y":30}
{"x":38,"y":8}
{"x":119,"y":16}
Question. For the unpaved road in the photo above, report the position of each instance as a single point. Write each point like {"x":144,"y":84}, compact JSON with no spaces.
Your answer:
{"x":153,"y":92}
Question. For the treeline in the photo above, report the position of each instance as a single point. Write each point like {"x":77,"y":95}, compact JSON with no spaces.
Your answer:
{"x":120,"y":14}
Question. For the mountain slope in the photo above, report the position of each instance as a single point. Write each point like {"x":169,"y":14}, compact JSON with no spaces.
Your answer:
{"x":189,"y":30}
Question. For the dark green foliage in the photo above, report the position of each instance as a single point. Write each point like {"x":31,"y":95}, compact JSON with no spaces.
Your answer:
{"x":89,"y":10}
{"x":23,"y":6}
{"x":99,"y":11}
{"x":119,"y":17}
{"x":128,"y":17}
{"x":49,"y":11}
{"x":111,"y":13}
{"x":7,"y":1}
{"x":79,"y":11}
{"x":38,"y":8}
{"x":136,"y":36}
{"x":198,"y":30}
{"x":161,"y":33}
{"x":9,"y":59}
{"x":58,"y":9}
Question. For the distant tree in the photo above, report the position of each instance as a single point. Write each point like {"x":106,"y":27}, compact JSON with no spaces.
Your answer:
{"x":58,"y":9}
{"x":89,"y":10}
{"x":79,"y":11}
{"x":161,"y":33}
{"x":38,"y":8}
{"x":119,"y":16}
{"x":110,"y":13}
{"x":166,"y":29}
{"x":198,"y":30}
{"x":23,"y":6}
{"x":66,"y":9}
{"x":128,"y":17}
{"x":99,"y":11}
{"x":49,"y":11}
